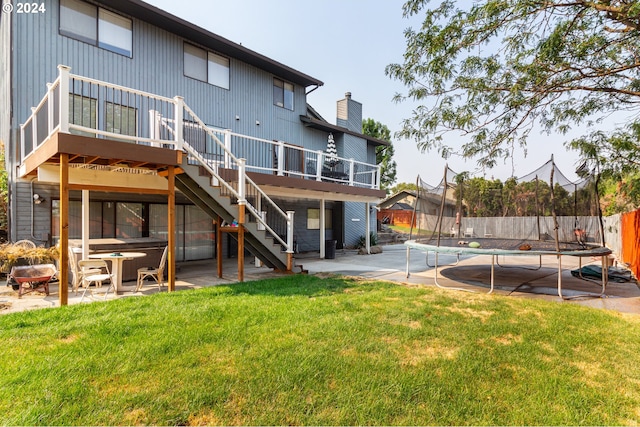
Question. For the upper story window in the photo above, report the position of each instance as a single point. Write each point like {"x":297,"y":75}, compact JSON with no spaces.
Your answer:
{"x":96,"y":26}
{"x":206,"y":66}
{"x":282,"y":94}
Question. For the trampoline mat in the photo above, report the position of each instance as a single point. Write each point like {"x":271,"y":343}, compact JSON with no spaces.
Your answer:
{"x":506,"y":247}
{"x":506,"y":244}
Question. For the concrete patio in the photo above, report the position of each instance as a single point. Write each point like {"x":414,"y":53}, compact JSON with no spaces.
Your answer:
{"x":472,"y":274}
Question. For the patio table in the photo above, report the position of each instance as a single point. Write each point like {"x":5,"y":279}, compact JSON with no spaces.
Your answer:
{"x":117,"y":259}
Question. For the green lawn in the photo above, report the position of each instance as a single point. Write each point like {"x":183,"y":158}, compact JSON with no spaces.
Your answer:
{"x":333,"y":351}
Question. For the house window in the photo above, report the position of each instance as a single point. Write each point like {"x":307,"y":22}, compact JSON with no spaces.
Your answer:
{"x":195,"y":62}
{"x":106,"y":219}
{"x":206,"y":66}
{"x":313,"y":219}
{"x":282,"y":94}
{"x":129,"y":220}
{"x":78,"y":20}
{"x":114,"y":32}
{"x":121,"y":119}
{"x":218,"y":70}
{"x":83,"y":111}
{"x":97,"y":26}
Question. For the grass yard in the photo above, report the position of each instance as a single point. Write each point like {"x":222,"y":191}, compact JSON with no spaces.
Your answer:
{"x":305,"y":350}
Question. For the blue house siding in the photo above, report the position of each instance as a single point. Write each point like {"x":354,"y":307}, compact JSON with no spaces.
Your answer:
{"x":309,"y":240}
{"x":5,"y":81}
{"x":156,"y":66}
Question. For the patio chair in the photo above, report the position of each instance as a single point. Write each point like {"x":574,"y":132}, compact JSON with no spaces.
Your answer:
{"x":156,"y":273}
{"x":77,"y":272}
{"x":468,"y":232}
{"x":27,"y":244}
{"x":86,"y":265}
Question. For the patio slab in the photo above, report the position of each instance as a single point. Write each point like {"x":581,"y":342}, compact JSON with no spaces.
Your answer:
{"x":473,"y":273}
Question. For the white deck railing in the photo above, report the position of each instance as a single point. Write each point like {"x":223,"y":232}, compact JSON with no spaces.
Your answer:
{"x":85,"y":106}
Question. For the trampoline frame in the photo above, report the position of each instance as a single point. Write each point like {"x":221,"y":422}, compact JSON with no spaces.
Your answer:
{"x":599,"y":251}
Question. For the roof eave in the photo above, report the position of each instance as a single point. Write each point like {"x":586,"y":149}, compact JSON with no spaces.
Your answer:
{"x":328,"y":127}
{"x":160,"y":18}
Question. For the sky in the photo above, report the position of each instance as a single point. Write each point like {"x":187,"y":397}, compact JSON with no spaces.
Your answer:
{"x":347,"y":44}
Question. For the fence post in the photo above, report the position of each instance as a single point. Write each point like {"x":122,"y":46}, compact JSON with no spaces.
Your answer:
{"x":280,"y":158}
{"x":63,"y":110}
{"x":179,"y":118}
{"x":242,"y":182}
{"x":319,"y":163}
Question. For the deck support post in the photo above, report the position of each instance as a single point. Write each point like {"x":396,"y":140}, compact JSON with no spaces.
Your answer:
{"x":290,"y":242}
{"x":367,"y":228}
{"x":63,"y":278}
{"x":85,"y":224}
{"x":241,"y":218}
{"x":322,"y":230}
{"x":171,"y":229}
{"x":219,"y":246}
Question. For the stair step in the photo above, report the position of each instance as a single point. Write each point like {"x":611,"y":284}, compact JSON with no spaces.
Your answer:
{"x":198,"y":188}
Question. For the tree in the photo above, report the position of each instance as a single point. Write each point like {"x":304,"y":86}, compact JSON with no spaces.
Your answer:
{"x":483,"y":197}
{"x":617,"y":157}
{"x":384,"y":154}
{"x":496,"y":69}
{"x":403,"y":186}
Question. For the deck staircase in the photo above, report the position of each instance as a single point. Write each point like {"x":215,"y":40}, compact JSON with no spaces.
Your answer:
{"x":220,"y":194}
{"x":196,"y":184}
{"x":213,"y":177}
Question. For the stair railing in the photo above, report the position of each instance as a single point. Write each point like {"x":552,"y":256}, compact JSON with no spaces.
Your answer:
{"x":244,"y":183}
{"x":71,"y":105}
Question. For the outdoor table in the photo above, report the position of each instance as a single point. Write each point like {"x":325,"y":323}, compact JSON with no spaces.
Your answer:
{"x":117,"y":259}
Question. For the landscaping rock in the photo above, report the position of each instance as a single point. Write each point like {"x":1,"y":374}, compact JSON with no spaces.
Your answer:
{"x":372,"y":250}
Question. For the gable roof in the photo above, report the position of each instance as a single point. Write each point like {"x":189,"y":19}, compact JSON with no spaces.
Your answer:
{"x":401,"y":206}
{"x":160,"y":18}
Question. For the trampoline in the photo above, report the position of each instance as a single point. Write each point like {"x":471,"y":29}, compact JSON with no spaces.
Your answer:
{"x":510,"y":247}
{"x":524,"y":216}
